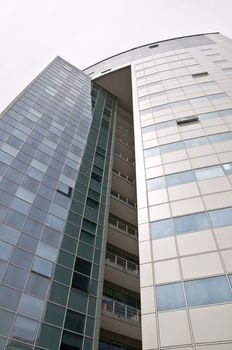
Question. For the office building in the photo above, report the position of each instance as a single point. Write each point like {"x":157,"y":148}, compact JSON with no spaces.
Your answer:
{"x":116,"y":202}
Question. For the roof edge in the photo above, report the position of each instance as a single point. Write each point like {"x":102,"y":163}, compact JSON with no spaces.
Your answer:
{"x":137,"y":47}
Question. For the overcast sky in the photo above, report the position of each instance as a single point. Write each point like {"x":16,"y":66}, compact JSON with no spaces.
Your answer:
{"x":33,"y":32}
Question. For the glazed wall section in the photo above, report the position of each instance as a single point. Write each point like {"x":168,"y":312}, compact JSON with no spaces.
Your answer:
{"x":184,"y":195}
{"x":43,"y":137}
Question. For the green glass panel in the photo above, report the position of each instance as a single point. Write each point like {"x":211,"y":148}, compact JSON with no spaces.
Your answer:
{"x":62,"y":275}
{"x":89,"y":226}
{"x":73,"y":340}
{"x":85,"y":251}
{"x":72,"y":230}
{"x":87,"y":237}
{"x":100,"y":231}
{"x":92,"y":306}
{"x":88,"y":344}
{"x":80,"y":187}
{"x":14,"y":345}
{"x":54,"y":314}
{"x":91,"y":214}
{"x":75,"y":218}
{"x":78,"y":300}
{"x":95,"y":185}
{"x":59,"y":293}
{"x":66,"y":259}
{"x":69,"y":244}
{"x":101,"y":219}
{"x":74,"y":321}
{"x":89,"y":326}
{"x":76,"y":207}
{"x":80,"y":197}
{"x":83,"y":179}
{"x":95,"y":272}
{"x":98,"y":242}
{"x":97,"y":256}
{"x":93,"y":287}
{"x":49,"y":337}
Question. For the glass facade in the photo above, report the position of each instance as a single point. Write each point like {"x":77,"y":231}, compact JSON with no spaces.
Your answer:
{"x":54,"y":182}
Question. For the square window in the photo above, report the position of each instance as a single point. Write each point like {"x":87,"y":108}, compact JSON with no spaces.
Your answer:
{"x":74,"y":321}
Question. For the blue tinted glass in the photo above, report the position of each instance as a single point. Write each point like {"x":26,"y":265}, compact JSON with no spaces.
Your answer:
{"x":228,"y":168}
{"x":24,"y":329}
{"x":180,"y":104}
{"x":145,"y":112}
{"x":8,"y":234}
{"x":209,"y":115}
{"x":151,"y":152}
{"x":172,"y":147}
{"x":5,"y":250}
{"x":164,"y":125}
{"x":42,"y":266}
{"x":225,"y":113}
{"x":180,"y":178}
{"x":230,"y":278}
{"x":209,"y":172}
{"x":170,"y":296}
{"x":160,"y":108}
{"x":162,"y":228}
{"x":199,"y":141}
{"x":207,"y":291}
{"x":221,"y":137}
{"x":190,"y":223}
{"x":155,"y":184}
{"x":221,"y":217}
{"x":216,"y":96}
{"x":148,"y":129}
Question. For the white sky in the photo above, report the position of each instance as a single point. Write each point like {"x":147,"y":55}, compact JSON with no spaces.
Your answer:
{"x":33,"y":32}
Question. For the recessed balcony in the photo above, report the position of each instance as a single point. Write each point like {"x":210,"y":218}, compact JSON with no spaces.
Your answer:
{"x":122,"y":271}
{"x":120,"y":311}
{"x":124,"y":227}
{"x":121,"y":234}
{"x":122,"y":263}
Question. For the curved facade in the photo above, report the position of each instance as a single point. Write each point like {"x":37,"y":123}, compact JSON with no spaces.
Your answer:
{"x":119,"y":217}
{"x":182,"y":112}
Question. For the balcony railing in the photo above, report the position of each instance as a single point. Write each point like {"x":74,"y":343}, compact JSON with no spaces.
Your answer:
{"x":129,"y":230}
{"x":123,"y":199}
{"x":124,"y":176}
{"x":124,"y":142}
{"x":119,"y":310}
{"x":130,"y":161}
{"x":121,"y":127}
{"x":122,"y":263}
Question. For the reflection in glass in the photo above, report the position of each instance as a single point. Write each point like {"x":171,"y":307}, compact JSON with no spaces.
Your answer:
{"x":46,"y":251}
{"x":31,"y":307}
{"x":190,"y":223}
{"x":161,"y":229}
{"x":207,"y":291}
{"x":5,"y":250}
{"x":180,"y":178}
{"x":24,"y":329}
{"x":228,"y":168}
{"x":15,"y":277}
{"x":37,"y":285}
{"x":209,"y":172}
{"x":155,"y":184}
{"x":42,"y":266}
{"x":221,"y":217}
{"x":170,"y":296}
